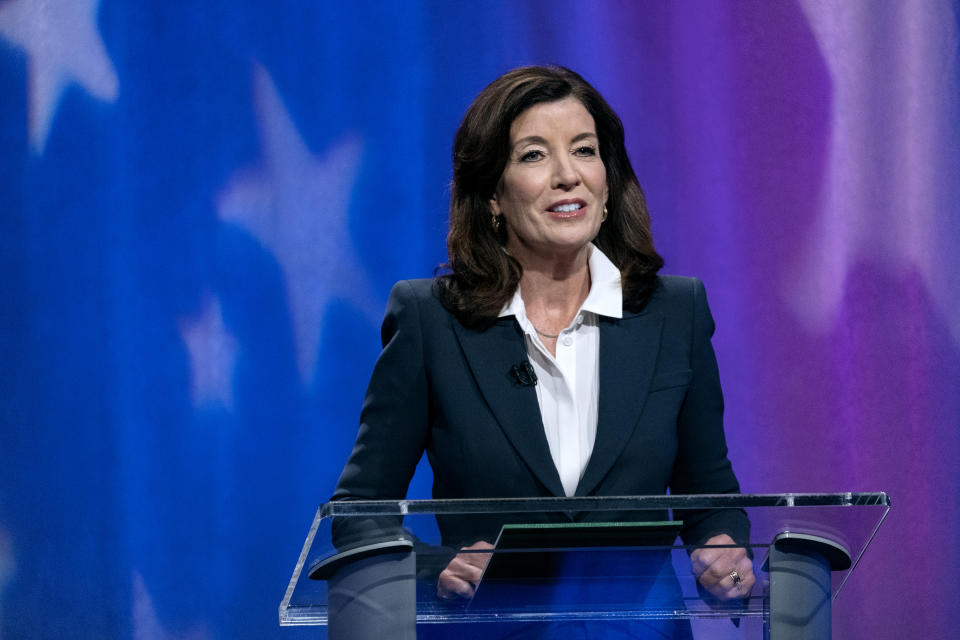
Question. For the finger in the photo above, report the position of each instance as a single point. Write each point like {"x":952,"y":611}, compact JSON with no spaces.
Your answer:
{"x":462,"y":569}
{"x":477,"y":553}
{"x":450,"y":587}
{"x":734,"y":588}
{"x":718,"y":574}
{"x":741,"y":576}
{"x":702,"y":559}
{"x":478,"y":560}
{"x":735,"y":583}
{"x":480,"y":544}
{"x":717,"y":560}
{"x":723,"y":561}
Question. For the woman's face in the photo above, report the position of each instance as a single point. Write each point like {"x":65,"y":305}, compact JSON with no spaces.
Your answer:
{"x":554,"y":187}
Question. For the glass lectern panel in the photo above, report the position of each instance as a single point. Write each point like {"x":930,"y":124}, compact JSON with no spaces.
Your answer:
{"x":548,"y":565}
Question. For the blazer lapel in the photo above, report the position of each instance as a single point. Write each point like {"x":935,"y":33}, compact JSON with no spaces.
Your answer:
{"x":628,"y":357}
{"x":491,"y":354}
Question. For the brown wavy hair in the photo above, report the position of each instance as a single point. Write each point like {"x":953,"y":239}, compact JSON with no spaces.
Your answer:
{"x":481,"y":276}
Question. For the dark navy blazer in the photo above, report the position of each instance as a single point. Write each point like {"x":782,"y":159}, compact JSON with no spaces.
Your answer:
{"x":445,"y":389}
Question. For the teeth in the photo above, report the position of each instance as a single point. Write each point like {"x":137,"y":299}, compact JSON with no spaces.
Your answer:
{"x":566,"y":208}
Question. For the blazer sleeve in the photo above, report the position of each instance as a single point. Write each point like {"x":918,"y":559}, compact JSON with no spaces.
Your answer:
{"x":702,"y":465}
{"x":394,"y":421}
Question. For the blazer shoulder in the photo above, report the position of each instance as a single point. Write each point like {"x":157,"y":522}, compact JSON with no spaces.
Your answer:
{"x":676,"y":293}
{"x":417,"y":293}
{"x":684,"y":300}
{"x":419,"y":288}
{"x":678,"y":285}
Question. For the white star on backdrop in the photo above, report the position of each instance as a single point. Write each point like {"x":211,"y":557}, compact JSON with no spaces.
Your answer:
{"x":213,"y":353}
{"x":296,"y":205}
{"x":892,"y":189}
{"x":63,"y":46}
{"x":146,"y":625}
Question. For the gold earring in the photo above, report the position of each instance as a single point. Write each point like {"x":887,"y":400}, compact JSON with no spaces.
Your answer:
{"x":496,"y":223}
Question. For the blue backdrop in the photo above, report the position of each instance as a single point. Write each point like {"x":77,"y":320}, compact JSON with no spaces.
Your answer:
{"x":203,"y":207}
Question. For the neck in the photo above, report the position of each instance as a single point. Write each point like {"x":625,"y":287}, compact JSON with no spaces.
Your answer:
{"x":553,"y":288}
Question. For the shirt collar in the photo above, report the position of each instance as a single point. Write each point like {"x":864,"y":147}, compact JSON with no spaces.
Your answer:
{"x":605,"y":297}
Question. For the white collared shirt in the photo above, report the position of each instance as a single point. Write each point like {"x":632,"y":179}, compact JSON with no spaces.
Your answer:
{"x":568,"y":384}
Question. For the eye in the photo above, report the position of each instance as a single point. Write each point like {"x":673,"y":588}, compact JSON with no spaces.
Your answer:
{"x":531,"y":156}
{"x":586,"y":151}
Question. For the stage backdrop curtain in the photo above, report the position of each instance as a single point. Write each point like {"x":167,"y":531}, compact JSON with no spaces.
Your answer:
{"x":203,"y":206}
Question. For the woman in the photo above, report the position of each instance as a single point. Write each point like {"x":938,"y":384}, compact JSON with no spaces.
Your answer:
{"x":552,"y":360}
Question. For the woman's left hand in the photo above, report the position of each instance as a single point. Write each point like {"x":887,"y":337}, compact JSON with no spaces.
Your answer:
{"x":726,"y":573}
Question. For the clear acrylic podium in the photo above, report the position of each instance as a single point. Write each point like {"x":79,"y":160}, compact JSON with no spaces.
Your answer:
{"x":375,"y":566}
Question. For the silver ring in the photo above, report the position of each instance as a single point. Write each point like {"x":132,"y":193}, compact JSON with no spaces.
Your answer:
{"x":736,"y":578}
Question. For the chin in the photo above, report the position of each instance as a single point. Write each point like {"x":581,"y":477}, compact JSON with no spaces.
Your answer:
{"x":565,"y":245}
{"x":577,"y":237}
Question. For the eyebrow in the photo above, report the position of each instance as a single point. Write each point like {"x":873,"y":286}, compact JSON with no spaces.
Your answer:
{"x":539,"y":140}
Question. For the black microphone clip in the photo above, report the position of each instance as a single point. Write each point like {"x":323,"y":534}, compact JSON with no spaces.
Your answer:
{"x":523,"y":374}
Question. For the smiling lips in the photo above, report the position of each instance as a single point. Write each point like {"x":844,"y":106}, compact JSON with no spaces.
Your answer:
{"x":567,"y":208}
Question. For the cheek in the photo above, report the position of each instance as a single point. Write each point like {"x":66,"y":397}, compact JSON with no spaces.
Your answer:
{"x":598,"y":181}
{"x":521,"y":190}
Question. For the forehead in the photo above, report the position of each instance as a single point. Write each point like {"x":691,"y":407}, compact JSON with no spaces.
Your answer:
{"x":565,"y":118}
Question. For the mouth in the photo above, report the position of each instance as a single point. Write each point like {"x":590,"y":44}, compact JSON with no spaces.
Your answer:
{"x":567,"y":208}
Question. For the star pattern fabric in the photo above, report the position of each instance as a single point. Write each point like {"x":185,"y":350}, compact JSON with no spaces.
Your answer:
{"x":196,"y":250}
{"x":881,"y":203}
{"x":63,"y":47}
{"x":146,"y":624}
{"x":213,"y":353}
{"x":296,"y":204}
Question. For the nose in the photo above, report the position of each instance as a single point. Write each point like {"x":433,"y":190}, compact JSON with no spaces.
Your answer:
{"x":565,"y":174}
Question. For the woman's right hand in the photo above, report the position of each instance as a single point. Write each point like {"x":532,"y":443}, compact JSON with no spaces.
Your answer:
{"x":463,"y":573}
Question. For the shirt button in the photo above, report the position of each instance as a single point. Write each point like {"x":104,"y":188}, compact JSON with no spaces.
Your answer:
{"x":567,"y":341}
